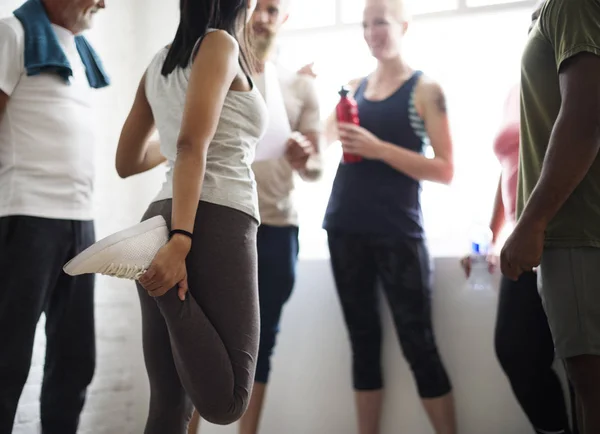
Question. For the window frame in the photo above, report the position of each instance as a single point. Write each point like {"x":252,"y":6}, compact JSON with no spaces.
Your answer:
{"x":461,"y":9}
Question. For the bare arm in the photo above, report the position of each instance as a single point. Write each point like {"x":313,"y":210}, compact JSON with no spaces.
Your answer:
{"x":431,"y":104}
{"x":309,"y":125}
{"x":497,"y":221}
{"x":214,"y":70}
{"x":3,"y":103}
{"x":313,"y":169}
{"x":136,"y":153}
{"x":213,"y":73}
{"x":574,"y":141}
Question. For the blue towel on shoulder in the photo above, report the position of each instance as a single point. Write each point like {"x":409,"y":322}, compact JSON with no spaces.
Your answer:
{"x":43,"y":52}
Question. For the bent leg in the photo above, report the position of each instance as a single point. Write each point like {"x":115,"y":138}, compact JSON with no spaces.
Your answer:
{"x":214,"y":332}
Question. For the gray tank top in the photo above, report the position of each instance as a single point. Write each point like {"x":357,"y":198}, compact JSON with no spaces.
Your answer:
{"x":228,"y":180}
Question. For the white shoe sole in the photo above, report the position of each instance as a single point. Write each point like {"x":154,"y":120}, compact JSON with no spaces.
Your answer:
{"x":111,"y":240}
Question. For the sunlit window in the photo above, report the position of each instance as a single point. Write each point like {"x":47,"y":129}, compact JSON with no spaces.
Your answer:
{"x":476,"y":58}
{"x":474,"y":3}
{"x":352,"y":9}
{"x":305,"y":14}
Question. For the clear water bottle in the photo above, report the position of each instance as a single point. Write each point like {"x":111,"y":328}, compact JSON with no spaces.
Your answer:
{"x":480,"y":278}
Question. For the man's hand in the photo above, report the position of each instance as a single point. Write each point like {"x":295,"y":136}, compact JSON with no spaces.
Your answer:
{"x":308,"y":70}
{"x":298,"y":151}
{"x":522,"y":251}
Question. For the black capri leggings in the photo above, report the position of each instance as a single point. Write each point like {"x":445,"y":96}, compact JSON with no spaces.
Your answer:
{"x":202,"y":352}
{"x":402,"y":266}
{"x":525,"y":350}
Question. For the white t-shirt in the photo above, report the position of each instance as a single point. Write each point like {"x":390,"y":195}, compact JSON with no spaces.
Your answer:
{"x":46,"y":134}
{"x":275,"y":178}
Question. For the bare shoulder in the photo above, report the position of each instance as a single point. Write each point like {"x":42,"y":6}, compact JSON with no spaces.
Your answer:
{"x":428,"y":86}
{"x":429,"y":94}
{"x":219,"y":42}
{"x":354,"y":84}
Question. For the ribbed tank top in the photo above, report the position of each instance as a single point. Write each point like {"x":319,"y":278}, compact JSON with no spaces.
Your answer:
{"x":228,"y":179}
{"x":371,"y":197}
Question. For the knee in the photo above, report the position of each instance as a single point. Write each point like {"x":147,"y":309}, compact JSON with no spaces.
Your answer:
{"x":366,"y":364}
{"x":15,"y":369}
{"x":507,"y":356}
{"x":268,"y":336}
{"x":224,"y":416}
{"x":14,"y":376}
{"x":228,"y":410}
{"x":430,"y":374}
{"x":263,"y":368}
{"x":87,"y":369}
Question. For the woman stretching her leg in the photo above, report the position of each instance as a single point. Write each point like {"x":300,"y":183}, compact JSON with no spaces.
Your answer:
{"x":199,"y":295}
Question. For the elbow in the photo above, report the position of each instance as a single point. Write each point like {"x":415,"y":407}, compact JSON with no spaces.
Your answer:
{"x":123,"y":170}
{"x":191,"y":149}
{"x":447,"y":174}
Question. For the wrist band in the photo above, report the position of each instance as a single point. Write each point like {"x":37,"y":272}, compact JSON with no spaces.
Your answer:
{"x":181,"y":232}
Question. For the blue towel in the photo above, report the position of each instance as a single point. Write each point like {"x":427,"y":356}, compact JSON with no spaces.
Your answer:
{"x":43,"y":52}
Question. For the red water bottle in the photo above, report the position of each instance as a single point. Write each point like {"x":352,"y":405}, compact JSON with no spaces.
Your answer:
{"x":347,"y":111}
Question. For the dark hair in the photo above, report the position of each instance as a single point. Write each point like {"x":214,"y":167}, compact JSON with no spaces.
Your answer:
{"x":196,"y":17}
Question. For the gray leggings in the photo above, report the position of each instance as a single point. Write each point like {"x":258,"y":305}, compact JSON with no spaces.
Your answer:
{"x":202,"y":352}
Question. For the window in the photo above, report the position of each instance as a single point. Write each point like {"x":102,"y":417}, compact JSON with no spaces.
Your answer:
{"x":352,"y":9}
{"x":476,"y":3}
{"x":425,"y":7}
{"x":476,"y":58}
{"x":306,"y":14}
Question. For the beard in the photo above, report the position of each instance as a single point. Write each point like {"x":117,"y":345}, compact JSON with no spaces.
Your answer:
{"x":262,"y":45}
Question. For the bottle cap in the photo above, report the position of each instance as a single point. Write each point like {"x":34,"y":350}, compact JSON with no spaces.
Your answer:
{"x":344,"y":91}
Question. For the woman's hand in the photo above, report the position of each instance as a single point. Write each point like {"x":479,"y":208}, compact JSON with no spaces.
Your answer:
{"x":359,"y":141}
{"x":168,"y":269}
{"x":492,"y":261}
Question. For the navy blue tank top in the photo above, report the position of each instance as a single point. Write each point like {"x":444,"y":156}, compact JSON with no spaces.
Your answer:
{"x":371,"y":197}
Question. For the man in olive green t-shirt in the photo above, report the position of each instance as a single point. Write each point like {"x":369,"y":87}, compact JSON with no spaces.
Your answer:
{"x":558,"y":204}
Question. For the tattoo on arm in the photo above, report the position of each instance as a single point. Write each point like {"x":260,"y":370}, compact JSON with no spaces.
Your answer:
{"x":440,"y":103}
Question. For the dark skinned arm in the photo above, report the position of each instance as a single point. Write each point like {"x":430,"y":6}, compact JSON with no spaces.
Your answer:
{"x":574,"y":141}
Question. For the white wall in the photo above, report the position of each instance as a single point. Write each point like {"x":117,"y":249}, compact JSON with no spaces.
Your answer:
{"x":310,"y":389}
{"x":311,"y":379}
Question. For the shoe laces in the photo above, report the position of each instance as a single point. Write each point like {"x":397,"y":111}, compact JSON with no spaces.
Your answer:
{"x":123,"y":271}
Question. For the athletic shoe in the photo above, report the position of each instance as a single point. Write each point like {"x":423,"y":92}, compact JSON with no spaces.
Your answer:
{"x":126,"y":254}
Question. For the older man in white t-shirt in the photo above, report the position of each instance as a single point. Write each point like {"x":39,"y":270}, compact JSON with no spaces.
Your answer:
{"x":46,"y":177}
